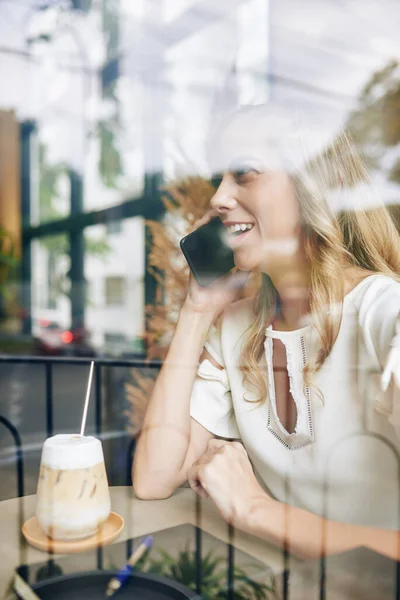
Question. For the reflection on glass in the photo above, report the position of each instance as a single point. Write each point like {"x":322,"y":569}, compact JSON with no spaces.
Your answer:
{"x":222,"y":65}
{"x":114,"y":168}
{"x":114,"y":273}
{"x":51,"y":305}
{"x":52,"y":198}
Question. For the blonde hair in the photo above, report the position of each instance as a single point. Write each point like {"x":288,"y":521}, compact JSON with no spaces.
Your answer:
{"x":360,"y":234}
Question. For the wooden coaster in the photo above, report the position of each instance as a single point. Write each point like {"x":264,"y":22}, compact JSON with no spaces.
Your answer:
{"x":108,"y":532}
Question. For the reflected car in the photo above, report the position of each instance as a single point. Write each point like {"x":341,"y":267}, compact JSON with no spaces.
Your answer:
{"x":52,"y":339}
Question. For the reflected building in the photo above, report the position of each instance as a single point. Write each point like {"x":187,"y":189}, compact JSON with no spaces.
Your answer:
{"x":121,"y":97}
{"x":111,"y":99}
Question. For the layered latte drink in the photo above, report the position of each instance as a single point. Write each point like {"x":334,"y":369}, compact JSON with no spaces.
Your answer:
{"x":73,"y":499}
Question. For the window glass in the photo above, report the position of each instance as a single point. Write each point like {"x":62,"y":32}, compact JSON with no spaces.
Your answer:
{"x":114,"y":273}
{"x":50,"y":183}
{"x":219,"y":66}
{"x":50,"y":282}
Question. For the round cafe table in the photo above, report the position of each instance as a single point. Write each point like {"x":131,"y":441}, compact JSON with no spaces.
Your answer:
{"x":141,"y":517}
{"x":358,"y":574}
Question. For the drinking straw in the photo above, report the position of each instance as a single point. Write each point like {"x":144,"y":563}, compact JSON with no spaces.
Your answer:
{"x":85,"y":408}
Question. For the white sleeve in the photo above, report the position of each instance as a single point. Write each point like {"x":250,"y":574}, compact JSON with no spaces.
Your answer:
{"x":380,"y":320}
{"x":211,"y":400}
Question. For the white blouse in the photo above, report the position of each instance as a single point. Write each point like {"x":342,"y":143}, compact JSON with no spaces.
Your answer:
{"x":342,"y":461}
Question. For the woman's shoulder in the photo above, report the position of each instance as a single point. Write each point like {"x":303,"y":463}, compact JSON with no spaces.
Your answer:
{"x":374,"y":290}
{"x":377,"y":302}
{"x":227,"y":330}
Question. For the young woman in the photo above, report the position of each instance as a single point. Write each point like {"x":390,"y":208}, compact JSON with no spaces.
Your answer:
{"x":303,"y":376}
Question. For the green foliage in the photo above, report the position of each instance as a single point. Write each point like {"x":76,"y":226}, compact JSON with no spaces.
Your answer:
{"x":110,"y":165}
{"x":58,"y":245}
{"x":8,"y":255}
{"x":49,"y":175}
{"x":111,"y":16}
{"x":214,"y":575}
{"x":99,"y":247}
{"x":8,"y":263}
{"x":375,"y":124}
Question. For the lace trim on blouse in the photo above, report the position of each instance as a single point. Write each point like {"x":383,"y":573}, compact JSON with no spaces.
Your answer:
{"x":296,"y":359}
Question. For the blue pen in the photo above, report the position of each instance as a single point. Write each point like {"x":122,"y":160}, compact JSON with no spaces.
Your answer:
{"x":118,"y":581}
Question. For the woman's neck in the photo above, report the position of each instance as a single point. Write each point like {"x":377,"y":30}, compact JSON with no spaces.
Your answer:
{"x":294,"y":307}
{"x":293,"y":287}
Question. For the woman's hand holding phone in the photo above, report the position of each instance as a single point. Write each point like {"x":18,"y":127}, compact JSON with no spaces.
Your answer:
{"x":211,"y":300}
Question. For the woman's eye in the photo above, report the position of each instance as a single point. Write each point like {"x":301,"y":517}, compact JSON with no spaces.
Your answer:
{"x":243,"y":174}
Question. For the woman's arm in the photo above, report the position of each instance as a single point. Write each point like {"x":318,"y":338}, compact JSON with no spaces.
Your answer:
{"x":224,"y":474}
{"x":310,"y":536}
{"x":170,"y":440}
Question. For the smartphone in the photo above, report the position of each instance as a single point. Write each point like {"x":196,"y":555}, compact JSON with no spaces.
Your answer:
{"x":206,"y":252}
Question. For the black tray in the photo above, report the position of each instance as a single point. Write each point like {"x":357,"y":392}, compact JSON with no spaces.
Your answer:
{"x":92,"y":586}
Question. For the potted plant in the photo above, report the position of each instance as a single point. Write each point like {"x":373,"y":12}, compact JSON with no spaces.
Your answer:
{"x":183,"y":569}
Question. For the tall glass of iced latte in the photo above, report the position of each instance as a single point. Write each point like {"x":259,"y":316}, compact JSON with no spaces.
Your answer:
{"x":73,"y":498}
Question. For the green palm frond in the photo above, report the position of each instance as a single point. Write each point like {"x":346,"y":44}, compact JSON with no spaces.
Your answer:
{"x":183,"y":568}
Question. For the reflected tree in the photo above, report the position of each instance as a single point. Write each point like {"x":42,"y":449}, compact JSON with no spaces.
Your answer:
{"x":110,"y":162}
{"x":57,"y":246}
{"x":375,"y":128}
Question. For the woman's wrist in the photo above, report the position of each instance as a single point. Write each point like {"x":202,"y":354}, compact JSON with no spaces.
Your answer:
{"x":190,"y":333}
{"x":257,"y":514}
{"x":197,"y":314}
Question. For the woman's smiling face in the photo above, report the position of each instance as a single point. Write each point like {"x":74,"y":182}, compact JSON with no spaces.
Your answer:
{"x":256,"y":201}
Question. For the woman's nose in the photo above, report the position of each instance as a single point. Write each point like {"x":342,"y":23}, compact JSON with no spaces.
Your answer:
{"x":223,"y":199}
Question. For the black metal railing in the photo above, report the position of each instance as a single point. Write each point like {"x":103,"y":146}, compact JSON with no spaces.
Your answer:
{"x":48,"y":364}
{"x":19,"y":459}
